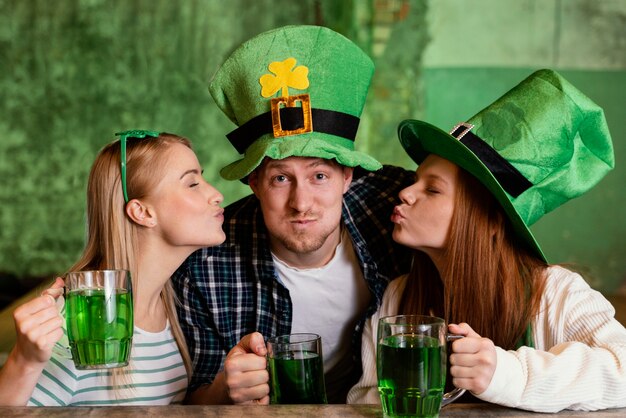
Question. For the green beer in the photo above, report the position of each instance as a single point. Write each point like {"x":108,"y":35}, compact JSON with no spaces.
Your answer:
{"x":411,"y":375}
{"x":297,"y":378}
{"x":99,"y":327}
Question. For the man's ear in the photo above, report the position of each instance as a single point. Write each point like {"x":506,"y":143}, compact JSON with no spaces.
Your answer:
{"x":347,"y":178}
{"x":253,"y":181}
{"x":140,"y":213}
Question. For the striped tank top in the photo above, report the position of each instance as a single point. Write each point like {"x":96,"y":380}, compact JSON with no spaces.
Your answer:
{"x":157,"y":376}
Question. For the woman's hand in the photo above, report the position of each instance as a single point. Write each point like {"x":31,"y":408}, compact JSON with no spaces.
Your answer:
{"x":38,"y":324}
{"x":473,"y":360}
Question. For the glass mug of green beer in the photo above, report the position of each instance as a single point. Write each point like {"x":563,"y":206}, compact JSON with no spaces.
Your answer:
{"x":411,"y":364}
{"x":99,"y":316}
{"x":296,"y":369}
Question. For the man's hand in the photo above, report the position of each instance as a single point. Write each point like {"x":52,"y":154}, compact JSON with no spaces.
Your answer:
{"x":473,"y":360}
{"x":246,"y":373}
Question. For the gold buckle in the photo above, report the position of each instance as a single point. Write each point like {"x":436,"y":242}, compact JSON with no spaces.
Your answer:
{"x":468,"y":127}
{"x":291,"y":101}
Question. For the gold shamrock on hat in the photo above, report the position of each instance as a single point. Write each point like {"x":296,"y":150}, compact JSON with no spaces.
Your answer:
{"x":285,"y":76}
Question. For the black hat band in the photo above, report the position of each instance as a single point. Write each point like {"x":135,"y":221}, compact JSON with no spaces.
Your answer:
{"x":509,"y":178}
{"x":291,"y":118}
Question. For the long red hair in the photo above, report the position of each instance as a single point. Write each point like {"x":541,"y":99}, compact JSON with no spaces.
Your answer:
{"x":488,"y":280}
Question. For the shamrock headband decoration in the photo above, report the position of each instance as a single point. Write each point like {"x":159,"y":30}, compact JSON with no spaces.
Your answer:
{"x":137,"y":133}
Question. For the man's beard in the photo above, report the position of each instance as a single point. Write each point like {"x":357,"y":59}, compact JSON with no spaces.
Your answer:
{"x":303,"y":243}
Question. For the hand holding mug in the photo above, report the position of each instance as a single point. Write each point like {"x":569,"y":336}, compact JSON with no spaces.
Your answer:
{"x":296,"y":369}
{"x":411,"y":365}
{"x":38,"y":324}
{"x":245,"y":370}
{"x":473,"y":360}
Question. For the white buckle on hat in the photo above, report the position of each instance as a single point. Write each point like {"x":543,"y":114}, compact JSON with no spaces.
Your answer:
{"x":468,"y":127}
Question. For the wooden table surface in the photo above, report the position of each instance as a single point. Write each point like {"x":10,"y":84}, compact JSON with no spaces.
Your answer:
{"x":299,"y":411}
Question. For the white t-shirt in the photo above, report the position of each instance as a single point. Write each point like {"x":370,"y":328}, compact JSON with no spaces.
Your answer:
{"x":158,"y":376}
{"x":328,"y":301}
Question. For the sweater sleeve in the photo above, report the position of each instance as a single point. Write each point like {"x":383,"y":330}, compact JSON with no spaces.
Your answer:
{"x":365,"y":391}
{"x":580,"y":360}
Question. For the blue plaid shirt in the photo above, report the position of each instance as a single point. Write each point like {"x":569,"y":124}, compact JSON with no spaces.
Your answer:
{"x":231,"y":290}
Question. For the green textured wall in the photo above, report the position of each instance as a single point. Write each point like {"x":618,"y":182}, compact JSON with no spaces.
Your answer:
{"x":73,"y":72}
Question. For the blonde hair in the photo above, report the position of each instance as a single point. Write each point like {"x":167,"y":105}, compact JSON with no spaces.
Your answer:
{"x":112,"y":238}
{"x":489,"y":281}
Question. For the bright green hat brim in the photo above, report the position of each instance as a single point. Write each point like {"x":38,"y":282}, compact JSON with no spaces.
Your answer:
{"x":315,"y":146}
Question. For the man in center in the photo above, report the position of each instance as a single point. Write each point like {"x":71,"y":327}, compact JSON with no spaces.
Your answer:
{"x":311,"y":249}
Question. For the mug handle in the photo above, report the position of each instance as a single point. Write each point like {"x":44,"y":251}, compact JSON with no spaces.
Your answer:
{"x":455,"y":393}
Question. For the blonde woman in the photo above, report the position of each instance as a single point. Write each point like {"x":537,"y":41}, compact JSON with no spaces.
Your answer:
{"x":148,"y":208}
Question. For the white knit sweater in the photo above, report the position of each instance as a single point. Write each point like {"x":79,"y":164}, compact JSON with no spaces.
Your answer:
{"x":579,"y":362}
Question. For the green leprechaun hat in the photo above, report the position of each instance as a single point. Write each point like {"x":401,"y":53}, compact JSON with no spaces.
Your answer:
{"x":294,"y":91}
{"x":538,"y":146}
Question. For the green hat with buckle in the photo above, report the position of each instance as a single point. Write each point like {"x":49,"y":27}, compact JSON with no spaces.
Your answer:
{"x":294,"y":91}
{"x":538,"y":146}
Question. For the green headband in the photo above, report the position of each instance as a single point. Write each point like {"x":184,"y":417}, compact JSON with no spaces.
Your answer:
{"x":137,"y":133}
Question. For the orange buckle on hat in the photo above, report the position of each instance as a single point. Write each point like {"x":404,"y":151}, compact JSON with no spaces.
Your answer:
{"x":291,"y":101}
